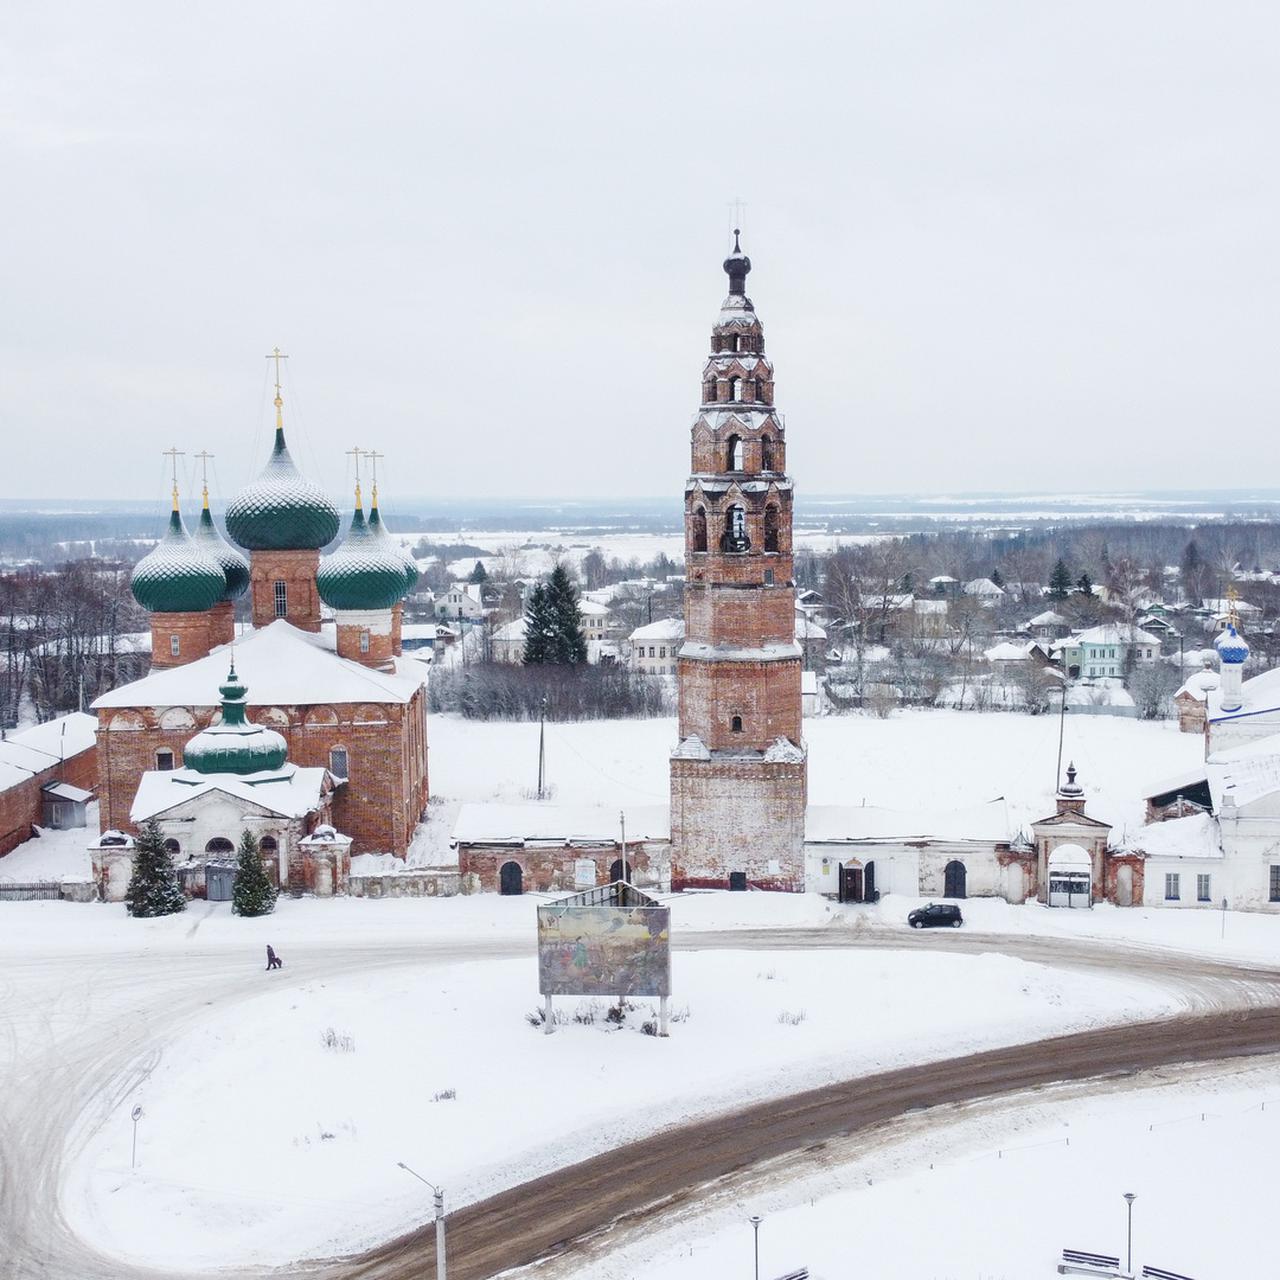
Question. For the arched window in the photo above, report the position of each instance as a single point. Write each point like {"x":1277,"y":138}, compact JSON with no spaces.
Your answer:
{"x":735,"y":537}
{"x":220,"y":847}
{"x":172,"y":847}
{"x":709,"y":391}
{"x":771,"y":527}
{"x":736,"y":724}
{"x":735,"y":451}
{"x":735,"y":389}
{"x":766,"y":453}
{"x":268,"y":845}
{"x":699,"y":541}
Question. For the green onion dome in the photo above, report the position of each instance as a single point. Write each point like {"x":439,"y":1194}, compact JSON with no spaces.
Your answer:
{"x":380,"y":530}
{"x":236,"y":745}
{"x":177,"y":575}
{"x":235,"y":568}
{"x":281,"y":510}
{"x":364,"y":572}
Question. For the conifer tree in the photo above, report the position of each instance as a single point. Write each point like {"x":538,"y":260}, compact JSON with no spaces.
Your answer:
{"x":153,"y":886}
{"x":537,"y":627}
{"x":997,"y":578}
{"x":568,"y":645}
{"x":479,"y":573}
{"x":1084,"y":584}
{"x":1060,"y":581}
{"x":253,"y":893}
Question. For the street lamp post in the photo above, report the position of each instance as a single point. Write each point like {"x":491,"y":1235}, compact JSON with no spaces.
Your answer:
{"x":755,"y":1221}
{"x":439,"y":1205}
{"x":1129,"y":1198}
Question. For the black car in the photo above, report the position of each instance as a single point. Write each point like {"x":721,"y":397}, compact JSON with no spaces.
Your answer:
{"x":935,"y":915}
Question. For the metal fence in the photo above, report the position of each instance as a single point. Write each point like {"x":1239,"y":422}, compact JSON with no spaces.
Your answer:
{"x":16,"y":891}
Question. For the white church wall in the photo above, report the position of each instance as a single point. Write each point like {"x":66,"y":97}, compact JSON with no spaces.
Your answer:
{"x":1187,"y":870}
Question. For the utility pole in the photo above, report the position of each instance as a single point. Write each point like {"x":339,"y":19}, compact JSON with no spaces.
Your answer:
{"x":622,"y":817}
{"x":1062,"y":724}
{"x":542,"y":748}
{"x":755,"y":1221}
{"x":1129,"y":1198}
{"x":439,"y":1208}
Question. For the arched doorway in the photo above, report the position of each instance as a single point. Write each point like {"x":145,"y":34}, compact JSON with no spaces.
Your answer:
{"x":953,"y":879}
{"x":219,"y":847}
{"x":511,"y":879}
{"x":1070,"y":876}
{"x":615,"y":871}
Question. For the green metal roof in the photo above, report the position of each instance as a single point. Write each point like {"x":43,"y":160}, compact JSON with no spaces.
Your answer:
{"x":177,"y":575}
{"x":281,"y":510}
{"x":364,"y":572}
{"x":236,"y":745}
{"x":235,"y":568}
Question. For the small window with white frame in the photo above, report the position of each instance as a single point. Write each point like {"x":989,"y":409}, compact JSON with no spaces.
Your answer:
{"x":164,"y":761}
{"x":281,"y":592}
{"x":175,"y":646}
{"x":1172,"y":886}
{"x":1204,"y":888}
{"x":364,"y":642}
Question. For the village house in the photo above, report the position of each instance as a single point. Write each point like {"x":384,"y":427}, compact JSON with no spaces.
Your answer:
{"x":655,"y":646}
{"x":1107,"y":651}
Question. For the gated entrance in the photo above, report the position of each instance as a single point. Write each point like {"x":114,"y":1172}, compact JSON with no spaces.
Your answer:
{"x":219,"y":880}
{"x":851,"y":882}
{"x":1070,"y":877}
{"x":954,"y":878}
{"x":511,"y":878}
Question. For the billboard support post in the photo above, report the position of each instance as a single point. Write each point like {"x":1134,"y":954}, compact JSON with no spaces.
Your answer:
{"x":548,"y":1017}
{"x":664,"y":1022}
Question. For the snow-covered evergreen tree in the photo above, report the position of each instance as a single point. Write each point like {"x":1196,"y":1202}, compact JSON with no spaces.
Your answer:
{"x":538,"y":624}
{"x":153,"y":887}
{"x":253,"y":893}
{"x":568,"y":644}
{"x":1060,"y":581}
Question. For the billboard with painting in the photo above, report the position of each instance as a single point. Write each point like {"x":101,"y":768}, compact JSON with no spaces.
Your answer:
{"x":610,"y":941}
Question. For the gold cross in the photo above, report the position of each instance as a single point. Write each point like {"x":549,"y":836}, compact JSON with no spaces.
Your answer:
{"x":173,"y":455}
{"x":277,"y":355}
{"x":204,"y":455}
{"x":373,"y":455}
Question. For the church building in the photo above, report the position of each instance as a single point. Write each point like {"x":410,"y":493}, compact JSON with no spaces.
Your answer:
{"x":738,"y":774}
{"x":342,"y":697}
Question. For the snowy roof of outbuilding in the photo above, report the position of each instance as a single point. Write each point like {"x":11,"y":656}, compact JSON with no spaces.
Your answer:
{"x":1257,"y":694}
{"x":1200,"y":685}
{"x":663,"y":629}
{"x":1195,"y":836}
{"x":1115,"y":633}
{"x":282,"y":666}
{"x":808,"y":630}
{"x":43,"y":746}
{"x":65,"y":791}
{"x":290,"y":792}
{"x":982,"y":587}
{"x":1244,"y":774}
{"x":1048,"y":619}
{"x":1007,"y":651}
{"x":520,"y":824}
{"x":512,"y":631}
{"x":851,"y":824}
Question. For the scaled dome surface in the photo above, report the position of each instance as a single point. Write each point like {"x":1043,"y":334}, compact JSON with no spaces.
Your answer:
{"x":177,"y":575}
{"x":236,"y":745}
{"x":1231,"y":646}
{"x":281,"y":510}
{"x":235,"y":568}
{"x":380,"y":530}
{"x":365,"y":572}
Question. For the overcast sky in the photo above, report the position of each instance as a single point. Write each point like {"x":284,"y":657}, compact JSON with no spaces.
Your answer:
{"x":996,"y":246}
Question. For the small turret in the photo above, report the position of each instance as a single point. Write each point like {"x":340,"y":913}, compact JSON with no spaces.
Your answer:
{"x":236,"y":745}
{"x":737,"y":266}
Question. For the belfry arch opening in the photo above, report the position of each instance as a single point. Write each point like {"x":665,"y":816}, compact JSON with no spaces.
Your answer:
{"x":735,"y":453}
{"x":709,"y":391}
{"x":766,"y":453}
{"x":699,"y":541}
{"x":735,"y":389}
{"x":771,"y":527}
{"x":735,"y":537}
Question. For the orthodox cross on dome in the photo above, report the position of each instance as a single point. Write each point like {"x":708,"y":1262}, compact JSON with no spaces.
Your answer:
{"x":277,"y":355}
{"x":173,"y":455}
{"x":354,"y":453}
{"x":373,"y":455}
{"x":1233,"y":611}
{"x":204,"y":455}
{"x":737,"y":215}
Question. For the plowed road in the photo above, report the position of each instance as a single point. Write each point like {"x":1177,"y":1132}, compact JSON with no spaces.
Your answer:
{"x":59,"y":1045}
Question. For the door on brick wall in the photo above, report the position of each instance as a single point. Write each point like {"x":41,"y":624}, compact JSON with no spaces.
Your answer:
{"x":954,"y":880}
{"x":511,"y":878}
{"x":615,"y":871}
{"x":738,"y":881}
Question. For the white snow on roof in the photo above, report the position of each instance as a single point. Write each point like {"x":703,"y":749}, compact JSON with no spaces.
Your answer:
{"x":739,"y":653}
{"x":1173,"y":784}
{"x":1048,"y":619}
{"x":807,"y":630}
{"x":65,"y":791}
{"x":982,"y":587}
{"x":66,"y":736}
{"x":663,"y":629}
{"x":1008,"y":652}
{"x":281,"y":665}
{"x":290,"y":792}
{"x":520,"y":824}
{"x":1195,"y":836}
{"x":590,"y":609}
{"x":1244,"y":774}
{"x":1200,"y":685}
{"x":838,"y":823}
{"x":511,"y":631}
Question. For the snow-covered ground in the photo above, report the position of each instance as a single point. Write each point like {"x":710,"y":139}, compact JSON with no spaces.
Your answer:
{"x":999,"y":1189}
{"x":257,"y":1131}
{"x":935,"y":758}
{"x":54,"y":855}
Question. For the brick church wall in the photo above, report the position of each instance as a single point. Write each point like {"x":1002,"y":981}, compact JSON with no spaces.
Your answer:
{"x":765,"y":694}
{"x":737,"y":815}
{"x":386,"y":792}
{"x":553,"y":868}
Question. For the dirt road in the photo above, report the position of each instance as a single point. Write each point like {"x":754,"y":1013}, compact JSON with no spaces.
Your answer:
{"x":76,"y":1033}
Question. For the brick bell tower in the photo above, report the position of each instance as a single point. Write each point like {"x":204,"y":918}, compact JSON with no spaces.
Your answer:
{"x":738,"y":775}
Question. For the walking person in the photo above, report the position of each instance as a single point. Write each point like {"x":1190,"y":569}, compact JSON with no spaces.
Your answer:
{"x":273,"y":960}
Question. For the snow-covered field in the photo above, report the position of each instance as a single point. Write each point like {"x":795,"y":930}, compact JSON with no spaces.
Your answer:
{"x":257,"y":1132}
{"x":933,"y":759}
{"x":998,"y":1191}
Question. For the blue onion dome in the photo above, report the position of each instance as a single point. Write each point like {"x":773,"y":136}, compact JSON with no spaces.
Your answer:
{"x":282,"y":510}
{"x":364,"y":572}
{"x":235,"y":568}
{"x":380,"y":530}
{"x":177,"y":575}
{"x":236,"y":745}
{"x":1232,"y":648}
